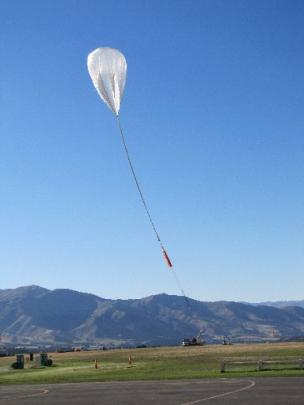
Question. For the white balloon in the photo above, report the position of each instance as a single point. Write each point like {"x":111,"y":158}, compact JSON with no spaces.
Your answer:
{"x":108,"y":70}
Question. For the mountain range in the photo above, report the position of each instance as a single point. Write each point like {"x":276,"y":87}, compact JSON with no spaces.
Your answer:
{"x":282,"y":304}
{"x":32,"y":314}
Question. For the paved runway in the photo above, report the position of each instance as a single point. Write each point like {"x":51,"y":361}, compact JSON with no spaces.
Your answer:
{"x":261,"y":391}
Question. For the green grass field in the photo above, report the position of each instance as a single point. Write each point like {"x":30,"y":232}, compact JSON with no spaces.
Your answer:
{"x":156,"y":364}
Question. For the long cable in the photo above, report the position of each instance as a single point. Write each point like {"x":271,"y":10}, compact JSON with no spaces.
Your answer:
{"x":137,"y":182}
{"x":147,"y":208}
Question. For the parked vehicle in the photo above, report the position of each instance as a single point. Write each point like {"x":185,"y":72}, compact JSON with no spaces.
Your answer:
{"x":195,"y":341}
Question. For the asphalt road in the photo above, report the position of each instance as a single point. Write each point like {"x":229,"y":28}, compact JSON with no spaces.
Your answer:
{"x":261,"y":391}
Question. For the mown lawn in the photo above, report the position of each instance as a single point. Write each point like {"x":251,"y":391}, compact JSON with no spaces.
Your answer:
{"x":155,"y":363}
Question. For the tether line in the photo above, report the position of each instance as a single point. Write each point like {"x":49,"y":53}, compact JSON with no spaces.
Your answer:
{"x":137,"y":183}
{"x":166,"y":257}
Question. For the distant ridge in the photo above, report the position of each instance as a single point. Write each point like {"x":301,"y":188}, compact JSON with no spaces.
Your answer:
{"x":34,"y":314}
{"x":282,"y":304}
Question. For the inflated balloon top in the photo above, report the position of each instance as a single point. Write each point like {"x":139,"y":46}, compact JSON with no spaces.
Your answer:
{"x":108,"y":70}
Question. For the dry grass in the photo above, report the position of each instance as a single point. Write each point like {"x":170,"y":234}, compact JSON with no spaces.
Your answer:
{"x":152,"y":363}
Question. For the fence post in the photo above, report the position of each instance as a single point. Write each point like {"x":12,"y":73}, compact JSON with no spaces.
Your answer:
{"x":301,"y":363}
{"x":260,"y":365}
{"x":223,"y":366}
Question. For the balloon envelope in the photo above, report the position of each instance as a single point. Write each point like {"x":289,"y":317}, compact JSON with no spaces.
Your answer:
{"x":108,"y":70}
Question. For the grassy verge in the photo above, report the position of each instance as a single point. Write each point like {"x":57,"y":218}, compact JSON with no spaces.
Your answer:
{"x":156,"y":364}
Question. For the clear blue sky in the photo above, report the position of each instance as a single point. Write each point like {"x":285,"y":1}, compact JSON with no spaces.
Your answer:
{"x":213,"y":114}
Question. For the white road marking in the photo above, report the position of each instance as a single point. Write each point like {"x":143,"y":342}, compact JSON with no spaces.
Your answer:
{"x":38,"y":394}
{"x":251,"y":385}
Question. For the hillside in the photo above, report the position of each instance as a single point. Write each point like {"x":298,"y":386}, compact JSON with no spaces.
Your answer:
{"x":282,"y":304}
{"x":37,"y":315}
